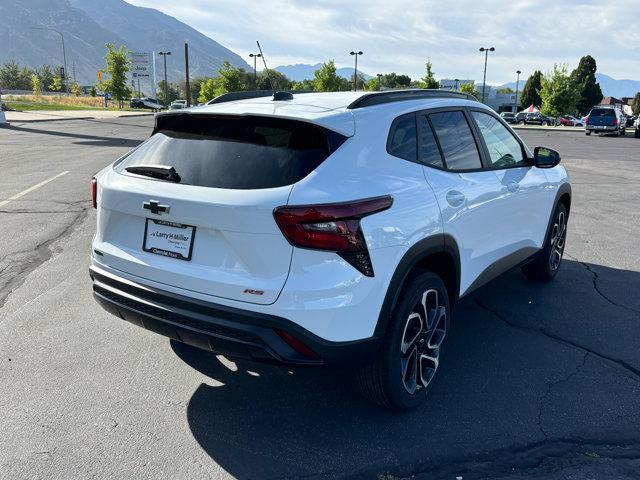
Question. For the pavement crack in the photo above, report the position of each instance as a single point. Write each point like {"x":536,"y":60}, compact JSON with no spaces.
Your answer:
{"x":622,"y":364}
{"x":544,"y":398}
{"x":43,"y":253}
{"x":594,"y":276}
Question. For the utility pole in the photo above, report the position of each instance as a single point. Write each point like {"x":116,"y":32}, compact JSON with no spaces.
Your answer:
{"x":457,"y":80}
{"x":3,"y":119}
{"x":64,"y":52}
{"x":379,"y":75}
{"x":484,"y":79}
{"x":515,"y":107}
{"x":166,"y":85}
{"x":187,"y":87}
{"x":255,"y":57}
{"x":355,"y":70}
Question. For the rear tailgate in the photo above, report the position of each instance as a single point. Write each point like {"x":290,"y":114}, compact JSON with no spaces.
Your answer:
{"x":213,"y":231}
{"x":602,"y":117}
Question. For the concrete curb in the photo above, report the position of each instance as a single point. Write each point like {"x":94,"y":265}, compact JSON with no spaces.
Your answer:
{"x":549,"y":129}
{"x":62,"y":119}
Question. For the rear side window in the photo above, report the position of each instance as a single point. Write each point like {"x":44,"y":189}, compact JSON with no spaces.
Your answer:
{"x":429,"y":151}
{"x":456,"y":140}
{"x":402,"y":141}
{"x":235,"y":152}
{"x":602,"y":112}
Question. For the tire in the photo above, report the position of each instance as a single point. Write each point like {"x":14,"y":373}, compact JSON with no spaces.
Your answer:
{"x":547,"y":263}
{"x":522,"y":122}
{"x":407,"y":363}
{"x":637,"y":133}
{"x":545,"y":124}
{"x":587,"y":132}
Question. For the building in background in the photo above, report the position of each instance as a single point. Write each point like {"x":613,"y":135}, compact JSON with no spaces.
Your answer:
{"x":500,"y":102}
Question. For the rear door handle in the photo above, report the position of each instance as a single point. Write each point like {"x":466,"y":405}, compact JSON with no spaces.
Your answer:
{"x":455,"y":198}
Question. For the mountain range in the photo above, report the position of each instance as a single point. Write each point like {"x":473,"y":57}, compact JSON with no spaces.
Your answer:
{"x":87,"y":25}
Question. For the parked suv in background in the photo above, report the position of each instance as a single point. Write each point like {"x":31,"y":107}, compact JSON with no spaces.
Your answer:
{"x":534,"y":119}
{"x":606,"y":120}
{"x":325,"y":228}
{"x":508,"y":117}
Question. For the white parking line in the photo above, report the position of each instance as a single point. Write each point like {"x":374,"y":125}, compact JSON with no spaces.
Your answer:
{"x":31,"y":189}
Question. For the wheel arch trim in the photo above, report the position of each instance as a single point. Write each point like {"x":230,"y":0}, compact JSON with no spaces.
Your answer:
{"x":421,"y":250}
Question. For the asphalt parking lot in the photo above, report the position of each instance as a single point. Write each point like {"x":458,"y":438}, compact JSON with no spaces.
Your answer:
{"x":540,"y":381}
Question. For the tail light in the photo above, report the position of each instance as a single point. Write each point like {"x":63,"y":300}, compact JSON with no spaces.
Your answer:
{"x":586,"y":120}
{"x":332,"y":226}
{"x":94,"y":192}
{"x":615,"y":121}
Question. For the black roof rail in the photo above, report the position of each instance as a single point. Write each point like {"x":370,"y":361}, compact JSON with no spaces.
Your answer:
{"x":244,"y":95}
{"x":389,"y":96}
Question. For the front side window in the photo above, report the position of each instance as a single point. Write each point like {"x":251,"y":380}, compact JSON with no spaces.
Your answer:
{"x":456,"y":140}
{"x":504,"y":149}
{"x":403,"y":140}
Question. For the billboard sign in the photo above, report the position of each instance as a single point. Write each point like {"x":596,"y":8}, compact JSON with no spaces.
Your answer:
{"x":140,"y":65}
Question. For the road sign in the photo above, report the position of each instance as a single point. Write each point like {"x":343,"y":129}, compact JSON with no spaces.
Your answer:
{"x":99,"y":76}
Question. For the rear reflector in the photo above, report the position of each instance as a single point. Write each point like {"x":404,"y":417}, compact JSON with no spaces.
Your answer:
{"x":297,"y":345}
{"x":332,"y":226}
{"x":94,"y":192}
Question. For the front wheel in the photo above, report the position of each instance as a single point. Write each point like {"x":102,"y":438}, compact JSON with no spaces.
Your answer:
{"x":546,"y":265}
{"x":406,"y":366}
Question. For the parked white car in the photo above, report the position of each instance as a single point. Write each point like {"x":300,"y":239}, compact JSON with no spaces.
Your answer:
{"x":178,"y":105}
{"x":325,"y":228}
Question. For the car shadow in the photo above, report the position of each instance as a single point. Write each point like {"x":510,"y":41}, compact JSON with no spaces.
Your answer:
{"x":511,"y":341}
{"x":84,"y":139}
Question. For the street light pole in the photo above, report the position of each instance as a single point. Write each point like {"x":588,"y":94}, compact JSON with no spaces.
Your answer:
{"x":355,"y":70}
{"x":255,"y":57}
{"x":484,"y":78}
{"x":64,"y":52}
{"x":379,"y":81}
{"x":166,"y":93}
{"x":457,"y":80}
{"x":515,"y":107}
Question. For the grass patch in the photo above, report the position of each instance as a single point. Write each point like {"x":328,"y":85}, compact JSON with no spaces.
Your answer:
{"x":58,"y":102}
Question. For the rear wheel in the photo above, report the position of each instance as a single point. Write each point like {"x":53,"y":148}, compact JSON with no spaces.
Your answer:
{"x":406,"y":366}
{"x":587,"y":132}
{"x":637,"y":133}
{"x":522,"y":122}
{"x":547,"y":263}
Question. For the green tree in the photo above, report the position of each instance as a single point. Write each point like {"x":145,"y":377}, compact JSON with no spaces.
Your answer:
{"x":76,"y":89}
{"x":117,"y":66}
{"x":209,"y":89}
{"x":558,"y":92}
{"x":280,"y":81}
{"x":233,"y":79}
{"x":171,"y":92}
{"x":35,"y":82}
{"x":326,"y":79}
{"x":584,"y":79}
{"x":531,"y":91}
{"x":92,"y":91}
{"x":429,"y":80}
{"x":636,"y":104}
{"x":13,"y":77}
{"x":56,"y":84}
{"x":470,"y":89}
{"x":303,"y":86}
{"x":45,"y":74}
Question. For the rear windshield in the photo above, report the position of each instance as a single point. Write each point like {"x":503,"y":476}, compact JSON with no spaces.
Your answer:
{"x":235,"y":152}
{"x":602,"y":112}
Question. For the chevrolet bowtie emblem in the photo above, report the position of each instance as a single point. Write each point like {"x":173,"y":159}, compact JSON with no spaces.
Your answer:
{"x":154,"y":207}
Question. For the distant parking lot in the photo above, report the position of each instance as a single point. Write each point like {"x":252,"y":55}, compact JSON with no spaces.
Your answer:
{"x":538,"y":379}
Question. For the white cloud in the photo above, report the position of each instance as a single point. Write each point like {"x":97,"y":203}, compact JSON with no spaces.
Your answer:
{"x":399,"y":35}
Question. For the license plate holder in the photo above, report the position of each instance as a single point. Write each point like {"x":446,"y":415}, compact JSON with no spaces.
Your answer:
{"x":169,"y":239}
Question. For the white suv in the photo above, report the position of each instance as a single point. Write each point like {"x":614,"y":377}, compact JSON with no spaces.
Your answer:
{"x":328,"y":228}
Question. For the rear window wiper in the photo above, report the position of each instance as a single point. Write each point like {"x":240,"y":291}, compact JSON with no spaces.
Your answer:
{"x":162,"y":172}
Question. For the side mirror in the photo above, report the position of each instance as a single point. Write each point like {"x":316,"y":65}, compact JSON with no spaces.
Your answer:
{"x":544,"y":157}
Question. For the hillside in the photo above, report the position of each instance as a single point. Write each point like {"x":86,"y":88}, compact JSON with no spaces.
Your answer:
{"x":88,"y":25}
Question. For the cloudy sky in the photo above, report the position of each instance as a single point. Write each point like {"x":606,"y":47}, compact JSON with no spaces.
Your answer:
{"x":398,"y":35}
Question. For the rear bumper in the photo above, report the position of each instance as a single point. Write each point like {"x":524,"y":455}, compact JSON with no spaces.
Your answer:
{"x":221,"y":329}
{"x":602,"y":128}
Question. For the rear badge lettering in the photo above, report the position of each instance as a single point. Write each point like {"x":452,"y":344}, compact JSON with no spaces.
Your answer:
{"x":251,"y":291}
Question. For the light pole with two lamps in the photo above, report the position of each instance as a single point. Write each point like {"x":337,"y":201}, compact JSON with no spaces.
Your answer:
{"x":64,"y":52}
{"x":484,"y":78}
{"x":255,"y":57}
{"x":515,"y":107}
{"x":355,"y":70}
